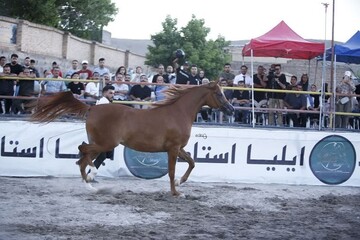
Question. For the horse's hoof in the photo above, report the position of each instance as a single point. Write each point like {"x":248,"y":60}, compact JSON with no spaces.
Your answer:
{"x":180,"y":195}
{"x":177,"y":182}
{"x":90,"y":177}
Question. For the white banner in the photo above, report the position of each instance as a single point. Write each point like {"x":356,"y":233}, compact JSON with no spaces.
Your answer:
{"x":221,"y":154}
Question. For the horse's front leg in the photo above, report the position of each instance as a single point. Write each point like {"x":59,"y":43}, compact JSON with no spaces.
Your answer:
{"x":172,"y":156}
{"x":186,"y":157}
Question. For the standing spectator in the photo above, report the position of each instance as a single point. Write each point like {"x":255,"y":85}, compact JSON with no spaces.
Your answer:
{"x":6,"y":88}
{"x":276,"y":80}
{"x":296,"y":101}
{"x":293,"y":83}
{"x":84,"y":72}
{"x":76,"y":87}
{"x":101,"y":69}
{"x":55,"y":65}
{"x":141,"y":93}
{"x":201,"y":75}
{"x":52,"y":87}
{"x":244,"y":76}
{"x":304,"y":82}
{"x":260,"y":81}
{"x":2,"y":63}
{"x":121,"y":89}
{"x":344,"y":103}
{"x":171,"y":74}
{"x":32,"y":65}
{"x":137,"y":74}
{"x":182,"y":74}
{"x":27,"y":64}
{"x":194,"y":77}
{"x":161,"y":72}
{"x":227,"y":74}
{"x":26,"y":89}
{"x":74,"y":68}
{"x":15,"y":67}
{"x":121,"y":70}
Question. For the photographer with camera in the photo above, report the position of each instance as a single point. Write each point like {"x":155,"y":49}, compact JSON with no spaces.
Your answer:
{"x":276,"y":80}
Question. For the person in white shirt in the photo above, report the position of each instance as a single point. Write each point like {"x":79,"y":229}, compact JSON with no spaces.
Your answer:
{"x":92,"y":88}
{"x":121,"y":90}
{"x":107,"y":95}
{"x":243,"y":76}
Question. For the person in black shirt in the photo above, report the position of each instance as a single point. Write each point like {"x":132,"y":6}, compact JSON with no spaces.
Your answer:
{"x":182,"y":74}
{"x":241,"y":98}
{"x":276,"y":80}
{"x":194,"y":78}
{"x":161,"y":72}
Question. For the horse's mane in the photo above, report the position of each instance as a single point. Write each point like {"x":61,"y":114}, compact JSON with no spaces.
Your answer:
{"x":173,"y":93}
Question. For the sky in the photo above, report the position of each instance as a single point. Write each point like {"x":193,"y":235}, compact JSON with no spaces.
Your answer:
{"x":238,"y":19}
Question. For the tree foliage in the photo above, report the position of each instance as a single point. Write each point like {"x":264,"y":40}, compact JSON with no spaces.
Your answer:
{"x":208,"y":55}
{"x":84,"y":19}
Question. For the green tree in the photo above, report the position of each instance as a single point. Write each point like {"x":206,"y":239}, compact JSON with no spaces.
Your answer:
{"x":206,"y":54}
{"x":84,"y":19}
{"x":37,"y":11}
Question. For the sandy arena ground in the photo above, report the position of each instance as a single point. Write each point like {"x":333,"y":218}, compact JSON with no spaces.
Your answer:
{"x":131,"y":208}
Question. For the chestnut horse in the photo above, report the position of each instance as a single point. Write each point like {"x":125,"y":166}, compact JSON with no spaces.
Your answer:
{"x":163,"y":128}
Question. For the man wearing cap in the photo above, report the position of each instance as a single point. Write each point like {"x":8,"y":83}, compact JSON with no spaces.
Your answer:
{"x":344,"y":103}
{"x":84,"y":72}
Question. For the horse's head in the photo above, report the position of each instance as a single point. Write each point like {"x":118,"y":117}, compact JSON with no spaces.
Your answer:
{"x":216,"y":99}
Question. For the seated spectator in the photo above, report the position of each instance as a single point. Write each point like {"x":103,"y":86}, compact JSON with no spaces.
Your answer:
{"x":159,"y":89}
{"x":92,"y":88}
{"x":51,"y":87}
{"x":227,"y":92}
{"x":121,"y":89}
{"x":107,"y":79}
{"x":141,"y":93}
{"x":296,"y":101}
{"x":241,"y":98}
{"x":205,"y":111}
{"x":76,"y":87}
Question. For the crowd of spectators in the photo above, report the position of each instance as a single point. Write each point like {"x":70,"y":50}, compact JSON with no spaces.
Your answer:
{"x":298,"y":105}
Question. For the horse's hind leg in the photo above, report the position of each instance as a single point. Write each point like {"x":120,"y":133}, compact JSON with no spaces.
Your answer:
{"x":186,"y":157}
{"x":87,"y":155}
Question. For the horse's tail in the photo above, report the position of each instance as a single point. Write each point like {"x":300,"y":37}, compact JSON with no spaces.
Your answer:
{"x":49,"y":108}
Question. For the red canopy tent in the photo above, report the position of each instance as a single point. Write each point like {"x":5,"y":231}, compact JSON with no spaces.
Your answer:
{"x":282,"y":41}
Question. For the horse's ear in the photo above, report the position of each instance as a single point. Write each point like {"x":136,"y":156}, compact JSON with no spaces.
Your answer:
{"x":213,"y":83}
